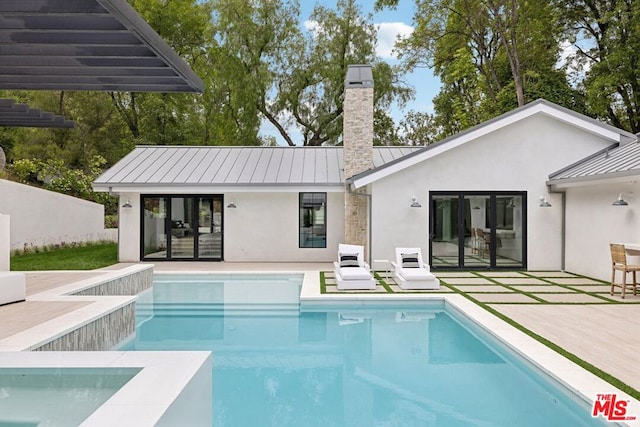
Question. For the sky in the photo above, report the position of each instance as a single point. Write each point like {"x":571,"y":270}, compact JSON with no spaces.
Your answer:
{"x":389,"y":23}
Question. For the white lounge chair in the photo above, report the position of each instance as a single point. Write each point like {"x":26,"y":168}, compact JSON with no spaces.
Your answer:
{"x":12,"y":287}
{"x":351,"y":271}
{"x":411,"y":272}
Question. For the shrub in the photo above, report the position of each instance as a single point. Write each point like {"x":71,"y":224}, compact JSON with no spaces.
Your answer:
{"x":111,"y":221}
{"x":25,"y":170}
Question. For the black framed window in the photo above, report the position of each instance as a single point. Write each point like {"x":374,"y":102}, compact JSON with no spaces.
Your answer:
{"x":313,"y":220}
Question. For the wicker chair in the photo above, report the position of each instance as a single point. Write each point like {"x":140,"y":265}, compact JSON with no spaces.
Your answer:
{"x":619,"y":263}
{"x":485,"y":251}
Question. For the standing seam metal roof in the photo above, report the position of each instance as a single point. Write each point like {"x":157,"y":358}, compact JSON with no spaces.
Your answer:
{"x":205,"y":165}
{"x":617,"y":160}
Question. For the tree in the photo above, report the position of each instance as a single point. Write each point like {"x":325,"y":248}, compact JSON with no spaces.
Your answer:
{"x":99,"y":129}
{"x":607,"y":38}
{"x":296,"y":79}
{"x":489,"y":54}
{"x":418,"y":128}
{"x":340,"y":37}
{"x":156,"y":118}
{"x":255,"y":44}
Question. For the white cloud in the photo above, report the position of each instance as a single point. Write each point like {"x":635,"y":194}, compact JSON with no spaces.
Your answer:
{"x":312,"y":26}
{"x":568,"y":55}
{"x":575,"y":68}
{"x":388,"y":33}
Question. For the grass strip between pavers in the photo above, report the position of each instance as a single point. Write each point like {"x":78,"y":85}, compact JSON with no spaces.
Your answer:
{"x":323,"y":283}
{"x":382,"y":282}
{"x":528,"y":294}
{"x":604,"y":299}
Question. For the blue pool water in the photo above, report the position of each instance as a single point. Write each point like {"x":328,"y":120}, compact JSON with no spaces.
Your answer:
{"x":276,"y":364}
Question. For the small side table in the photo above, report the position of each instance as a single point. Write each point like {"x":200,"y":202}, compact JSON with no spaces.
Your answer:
{"x":382,"y":265}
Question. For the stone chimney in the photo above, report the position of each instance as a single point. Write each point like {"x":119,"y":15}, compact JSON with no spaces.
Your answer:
{"x":358,"y":149}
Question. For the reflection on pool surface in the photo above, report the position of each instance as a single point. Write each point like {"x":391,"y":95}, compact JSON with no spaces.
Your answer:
{"x":56,"y":396}
{"x":401,"y":365}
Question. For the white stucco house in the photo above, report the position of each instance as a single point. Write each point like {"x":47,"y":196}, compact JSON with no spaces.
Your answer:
{"x":530,"y":189}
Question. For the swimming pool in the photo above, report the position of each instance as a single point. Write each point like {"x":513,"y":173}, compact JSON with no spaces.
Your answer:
{"x":276,"y":364}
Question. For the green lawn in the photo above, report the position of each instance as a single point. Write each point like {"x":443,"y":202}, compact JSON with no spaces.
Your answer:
{"x":86,"y":257}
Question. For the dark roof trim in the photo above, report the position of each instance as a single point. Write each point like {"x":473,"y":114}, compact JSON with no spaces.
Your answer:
{"x":20,"y":115}
{"x":127,"y":16}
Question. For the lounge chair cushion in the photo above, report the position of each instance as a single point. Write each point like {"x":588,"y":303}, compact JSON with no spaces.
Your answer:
{"x":349,"y":260}
{"x":354,"y":273}
{"x":410,"y":261}
{"x":416,"y":274}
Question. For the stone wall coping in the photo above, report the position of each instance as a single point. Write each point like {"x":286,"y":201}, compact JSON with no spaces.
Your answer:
{"x":55,"y":328}
{"x":108,"y":276}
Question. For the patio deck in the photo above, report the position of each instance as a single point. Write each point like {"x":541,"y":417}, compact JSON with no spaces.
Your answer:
{"x":19,"y":317}
{"x":574,"y":312}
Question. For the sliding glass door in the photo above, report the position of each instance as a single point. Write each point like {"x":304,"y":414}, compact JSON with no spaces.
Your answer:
{"x":182,"y":227}
{"x":445,"y":245}
{"x":477,"y":230}
{"x":210,"y":227}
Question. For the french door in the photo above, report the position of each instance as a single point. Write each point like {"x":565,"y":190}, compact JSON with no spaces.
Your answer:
{"x":477,"y":230}
{"x":182,"y":227}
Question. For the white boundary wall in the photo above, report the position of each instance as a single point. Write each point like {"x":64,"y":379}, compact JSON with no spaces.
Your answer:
{"x":5,"y":249}
{"x":41,"y":217}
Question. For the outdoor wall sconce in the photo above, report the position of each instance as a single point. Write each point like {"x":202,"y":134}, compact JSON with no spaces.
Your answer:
{"x":620,"y":201}
{"x":415,"y":203}
{"x":127,"y":205}
{"x":544,"y":203}
{"x":232,"y":205}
